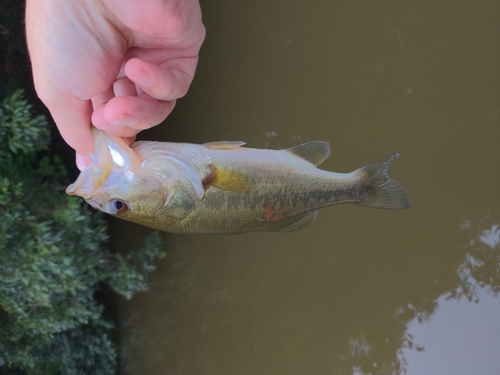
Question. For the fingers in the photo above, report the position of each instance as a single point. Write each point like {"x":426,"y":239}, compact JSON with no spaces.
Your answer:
{"x":124,"y":112}
{"x":126,"y":116}
{"x":124,"y":87}
{"x":82,"y":162}
{"x":169,"y":80}
{"x":71,"y":116}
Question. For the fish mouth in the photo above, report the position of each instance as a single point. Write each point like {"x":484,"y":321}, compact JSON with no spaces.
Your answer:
{"x":100,"y":202}
{"x":111,"y":153}
{"x":89,"y":181}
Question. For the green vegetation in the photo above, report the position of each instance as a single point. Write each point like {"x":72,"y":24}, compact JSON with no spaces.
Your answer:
{"x":55,"y":263}
{"x":53,"y":259}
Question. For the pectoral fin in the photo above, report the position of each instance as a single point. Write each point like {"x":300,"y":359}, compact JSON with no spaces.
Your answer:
{"x":314,"y":152}
{"x":180,"y":202}
{"x":227,"y":179}
{"x":224,"y":145}
{"x":300,"y":223}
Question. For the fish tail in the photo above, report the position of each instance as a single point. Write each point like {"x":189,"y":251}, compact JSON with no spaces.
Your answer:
{"x":383,"y":192}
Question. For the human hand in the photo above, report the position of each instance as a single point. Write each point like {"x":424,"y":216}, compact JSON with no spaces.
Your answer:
{"x":118,"y":63}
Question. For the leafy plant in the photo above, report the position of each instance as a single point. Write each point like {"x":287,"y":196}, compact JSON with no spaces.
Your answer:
{"x":54,"y":258}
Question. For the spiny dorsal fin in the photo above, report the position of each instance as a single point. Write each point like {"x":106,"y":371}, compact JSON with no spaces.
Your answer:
{"x":227,"y":179}
{"x":224,"y":145}
{"x":314,"y":152}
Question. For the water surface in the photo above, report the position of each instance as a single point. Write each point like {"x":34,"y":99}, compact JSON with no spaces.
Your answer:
{"x":361,"y":291}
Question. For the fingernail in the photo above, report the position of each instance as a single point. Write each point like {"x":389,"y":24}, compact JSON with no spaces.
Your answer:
{"x":82,"y":162}
{"x":125,"y":120}
{"x":140,"y":77}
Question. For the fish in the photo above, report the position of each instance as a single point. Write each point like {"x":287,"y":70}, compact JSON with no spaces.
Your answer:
{"x":223,"y":187}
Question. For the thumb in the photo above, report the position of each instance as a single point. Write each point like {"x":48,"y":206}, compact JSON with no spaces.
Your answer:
{"x":82,"y":162}
{"x":72,"y":118}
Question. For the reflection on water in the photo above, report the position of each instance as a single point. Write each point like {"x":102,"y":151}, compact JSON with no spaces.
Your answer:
{"x":360,"y":291}
{"x":214,"y":309}
{"x":481,"y":268}
{"x":461,"y":338}
{"x":462,"y":335}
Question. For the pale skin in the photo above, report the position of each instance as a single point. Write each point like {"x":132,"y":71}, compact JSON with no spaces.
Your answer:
{"x":117,"y":64}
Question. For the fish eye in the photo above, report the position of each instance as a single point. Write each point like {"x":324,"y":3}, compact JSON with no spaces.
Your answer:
{"x":117,"y":206}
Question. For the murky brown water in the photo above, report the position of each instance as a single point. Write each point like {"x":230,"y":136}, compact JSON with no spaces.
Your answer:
{"x":361,"y":290}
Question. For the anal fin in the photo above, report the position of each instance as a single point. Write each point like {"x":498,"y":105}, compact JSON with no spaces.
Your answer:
{"x":299,"y":223}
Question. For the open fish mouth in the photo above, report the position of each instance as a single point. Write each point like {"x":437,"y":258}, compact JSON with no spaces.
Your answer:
{"x":111,"y":154}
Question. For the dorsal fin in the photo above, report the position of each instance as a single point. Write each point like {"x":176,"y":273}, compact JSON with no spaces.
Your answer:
{"x":224,"y":145}
{"x":314,"y":152}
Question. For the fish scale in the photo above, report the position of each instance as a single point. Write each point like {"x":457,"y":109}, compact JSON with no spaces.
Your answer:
{"x":222,"y":187}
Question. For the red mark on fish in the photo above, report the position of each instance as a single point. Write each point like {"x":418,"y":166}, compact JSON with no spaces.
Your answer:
{"x":270,"y":214}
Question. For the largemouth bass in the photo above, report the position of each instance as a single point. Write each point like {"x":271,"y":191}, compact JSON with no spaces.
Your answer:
{"x":222,"y":187}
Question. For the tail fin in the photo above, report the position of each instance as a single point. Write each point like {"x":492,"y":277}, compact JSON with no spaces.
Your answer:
{"x":385,"y":193}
